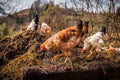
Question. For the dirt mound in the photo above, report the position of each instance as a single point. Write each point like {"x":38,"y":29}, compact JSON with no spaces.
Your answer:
{"x":23,"y":61}
{"x":12,"y":71}
{"x":29,"y":67}
{"x":11,"y":47}
{"x":99,"y":71}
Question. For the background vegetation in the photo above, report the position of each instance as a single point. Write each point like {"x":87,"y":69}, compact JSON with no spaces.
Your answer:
{"x":97,"y":12}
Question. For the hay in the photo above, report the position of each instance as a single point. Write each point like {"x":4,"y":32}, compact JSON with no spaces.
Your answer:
{"x":112,"y":56}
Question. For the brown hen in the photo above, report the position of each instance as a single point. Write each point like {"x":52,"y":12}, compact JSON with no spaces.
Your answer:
{"x":65,"y":40}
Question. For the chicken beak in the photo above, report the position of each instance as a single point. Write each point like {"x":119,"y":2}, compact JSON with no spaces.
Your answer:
{"x":42,"y":47}
{"x":83,"y":51}
{"x":43,"y":51}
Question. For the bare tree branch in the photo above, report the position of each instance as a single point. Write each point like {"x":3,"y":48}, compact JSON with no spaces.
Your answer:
{"x":8,"y":6}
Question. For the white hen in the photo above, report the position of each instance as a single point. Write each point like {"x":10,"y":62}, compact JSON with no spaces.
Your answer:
{"x":34,"y":23}
{"x":94,"y":42}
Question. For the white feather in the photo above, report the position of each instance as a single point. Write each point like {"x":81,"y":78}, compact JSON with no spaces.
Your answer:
{"x":32,"y":25}
{"x":94,"y":41}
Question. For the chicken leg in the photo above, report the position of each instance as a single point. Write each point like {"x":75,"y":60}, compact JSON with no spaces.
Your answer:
{"x":57,"y":56}
{"x":65,"y":53}
{"x":92,"y":53}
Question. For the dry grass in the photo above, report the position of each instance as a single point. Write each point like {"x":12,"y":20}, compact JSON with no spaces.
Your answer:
{"x":13,"y":69}
{"x":112,"y":56}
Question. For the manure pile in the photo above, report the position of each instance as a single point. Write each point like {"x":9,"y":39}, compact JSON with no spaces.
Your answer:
{"x":21,"y":60}
{"x":12,"y":47}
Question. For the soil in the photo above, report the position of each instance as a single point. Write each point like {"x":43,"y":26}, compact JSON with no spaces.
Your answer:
{"x":80,"y":69}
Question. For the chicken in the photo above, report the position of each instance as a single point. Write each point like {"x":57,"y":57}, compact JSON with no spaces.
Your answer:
{"x":65,"y":40}
{"x":94,"y":43}
{"x":34,"y":23}
{"x":45,"y":29}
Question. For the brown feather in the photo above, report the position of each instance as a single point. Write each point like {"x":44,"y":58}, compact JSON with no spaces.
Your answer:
{"x":66,"y":34}
{"x":66,"y":39}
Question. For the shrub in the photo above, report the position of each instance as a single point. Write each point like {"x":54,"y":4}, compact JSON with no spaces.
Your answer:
{"x":5,"y":31}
